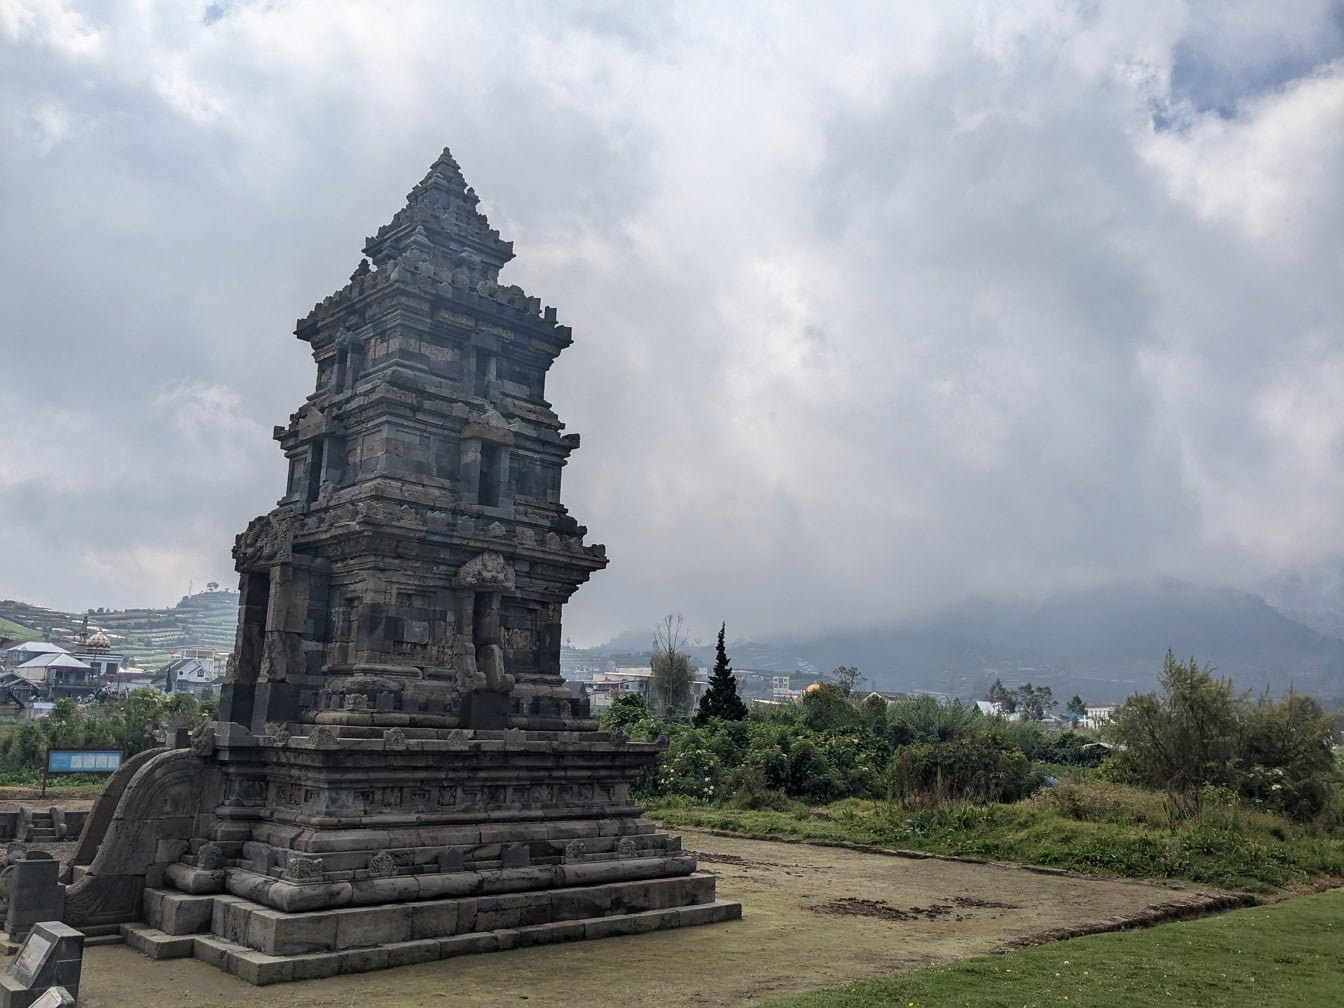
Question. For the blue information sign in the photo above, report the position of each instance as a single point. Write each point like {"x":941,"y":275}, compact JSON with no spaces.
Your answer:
{"x":83,"y":760}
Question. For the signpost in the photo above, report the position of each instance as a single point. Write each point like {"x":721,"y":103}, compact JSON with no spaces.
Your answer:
{"x":67,"y":761}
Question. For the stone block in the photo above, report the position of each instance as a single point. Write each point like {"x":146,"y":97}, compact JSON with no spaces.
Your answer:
{"x":365,"y":927}
{"x":709,"y":913}
{"x":607,"y":927}
{"x":436,"y":919}
{"x":183,"y":914}
{"x":152,"y":905}
{"x":297,"y":934}
{"x":468,"y":944}
{"x":233,"y":921}
{"x":577,"y":904}
{"x":260,"y":969}
{"x":157,"y":945}
{"x":550,"y":933}
{"x":219,"y":909}
{"x":412,"y":952}
{"x":315,"y":967}
{"x":212,"y":951}
{"x":494,"y":920}
{"x":515,"y":855}
{"x":362,"y":960}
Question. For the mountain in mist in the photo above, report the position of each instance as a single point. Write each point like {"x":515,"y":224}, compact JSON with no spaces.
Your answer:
{"x":1104,"y":643}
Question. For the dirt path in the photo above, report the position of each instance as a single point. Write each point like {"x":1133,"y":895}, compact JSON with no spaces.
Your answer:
{"x":812,"y":917}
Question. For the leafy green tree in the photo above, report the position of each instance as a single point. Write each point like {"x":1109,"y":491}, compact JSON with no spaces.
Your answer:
{"x":1034,"y":701}
{"x":847,"y":678}
{"x":672,"y":679}
{"x":1004,"y":697}
{"x":827,"y":708}
{"x":626,"y":711}
{"x":1185,"y":736}
{"x":1291,"y":764}
{"x":924,"y":719}
{"x":721,"y":699}
{"x":1077,"y":707}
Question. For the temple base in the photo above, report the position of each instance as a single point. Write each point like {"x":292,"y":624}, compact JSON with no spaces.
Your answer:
{"x":263,"y":946}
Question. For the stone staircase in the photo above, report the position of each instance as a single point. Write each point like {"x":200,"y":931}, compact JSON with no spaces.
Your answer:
{"x":44,"y":829}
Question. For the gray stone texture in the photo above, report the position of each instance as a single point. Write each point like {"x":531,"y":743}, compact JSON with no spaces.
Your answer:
{"x":399,"y":773}
{"x":52,"y":956}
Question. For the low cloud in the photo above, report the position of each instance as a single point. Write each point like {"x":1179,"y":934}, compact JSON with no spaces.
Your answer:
{"x":872,"y":312}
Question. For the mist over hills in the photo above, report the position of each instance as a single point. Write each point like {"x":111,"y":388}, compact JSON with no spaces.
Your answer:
{"x":1105,"y":644}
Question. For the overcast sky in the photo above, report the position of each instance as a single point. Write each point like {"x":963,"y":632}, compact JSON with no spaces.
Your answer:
{"x":875,"y":306}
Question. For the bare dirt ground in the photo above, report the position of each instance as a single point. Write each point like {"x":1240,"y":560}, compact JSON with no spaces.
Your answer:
{"x":812,"y":917}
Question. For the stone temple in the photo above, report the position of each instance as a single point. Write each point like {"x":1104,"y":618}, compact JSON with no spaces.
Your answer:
{"x":399,"y":773}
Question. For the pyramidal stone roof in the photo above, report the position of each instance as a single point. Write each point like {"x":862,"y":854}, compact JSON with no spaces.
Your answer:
{"x":439,"y":238}
{"x":441,"y":209}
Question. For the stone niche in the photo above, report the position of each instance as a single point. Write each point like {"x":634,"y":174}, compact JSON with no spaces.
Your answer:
{"x":399,"y":772}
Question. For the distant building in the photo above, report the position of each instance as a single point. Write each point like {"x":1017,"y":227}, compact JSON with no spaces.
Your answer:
{"x":1099,"y":714}
{"x":28,"y":650}
{"x":59,"y":676}
{"x":215,"y":660}
{"x":993,"y":708}
{"x":96,"y":652}
{"x":17,"y":695}
{"x":604,"y":686}
{"x":186,"y":675}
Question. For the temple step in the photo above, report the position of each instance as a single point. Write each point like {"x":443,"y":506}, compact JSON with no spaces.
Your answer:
{"x":261,"y":969}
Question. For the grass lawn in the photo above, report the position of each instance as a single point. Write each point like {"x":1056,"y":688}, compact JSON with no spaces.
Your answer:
{"x":1291,"y":953}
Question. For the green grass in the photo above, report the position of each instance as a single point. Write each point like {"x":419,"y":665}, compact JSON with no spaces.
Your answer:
{"x":1291,"y":953}
{"x":8,"y":628}
{"x":1092,"y":827}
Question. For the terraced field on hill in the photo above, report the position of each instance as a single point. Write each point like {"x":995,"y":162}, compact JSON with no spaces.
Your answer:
{"x":207,"y":620}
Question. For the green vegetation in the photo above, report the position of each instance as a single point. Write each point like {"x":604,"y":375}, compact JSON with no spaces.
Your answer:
{"x":1093,"y":827}
{"x":127,"y":724}
{"x":16,"y":631}
{"x":721,"y":700}
{"x":1199,"y":732}
{"x":1259,"y":812}
{"x":671,"y":675}
{"x":1291,"y":953}
{"x":148,"y":636}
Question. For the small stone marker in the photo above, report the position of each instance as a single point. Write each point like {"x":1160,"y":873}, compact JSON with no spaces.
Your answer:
{"x":36,"y":894}
{"x":46,"y":970}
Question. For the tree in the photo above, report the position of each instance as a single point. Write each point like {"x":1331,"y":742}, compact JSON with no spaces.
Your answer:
{"x":1291,"y":762}
{"x":721,"y":699}
{"x":847,"y":678}
{"x":1034,"y":701}
{"x":826,"y":708}
{"x":626,"y":711}
{"x":1004,"y":697}
{"x":1077,"y":708}
{"x":670,"y":684}
{"x":1187,"y":735}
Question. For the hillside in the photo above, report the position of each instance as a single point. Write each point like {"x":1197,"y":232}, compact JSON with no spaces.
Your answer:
{"x":1104,"y":644}
{"x":207,"y":619}
{"x":16,"y":631}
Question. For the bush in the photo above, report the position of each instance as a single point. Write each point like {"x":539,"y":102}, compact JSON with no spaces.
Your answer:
{"x":973,"y":768}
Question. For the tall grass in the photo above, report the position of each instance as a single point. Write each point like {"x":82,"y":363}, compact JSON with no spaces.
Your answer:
{"x":1091,"y":826}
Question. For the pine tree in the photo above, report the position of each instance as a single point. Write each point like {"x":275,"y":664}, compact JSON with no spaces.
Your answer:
{"x":721,"y":699}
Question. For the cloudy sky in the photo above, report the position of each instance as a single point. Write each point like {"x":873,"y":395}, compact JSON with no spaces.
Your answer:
{"x":876,"y":306}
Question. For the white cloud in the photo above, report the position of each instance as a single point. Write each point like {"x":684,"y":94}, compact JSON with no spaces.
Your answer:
{"x":873,"y":308}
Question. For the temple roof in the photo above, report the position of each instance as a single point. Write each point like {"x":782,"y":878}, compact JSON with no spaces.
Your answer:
{"x":441,"y":212}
